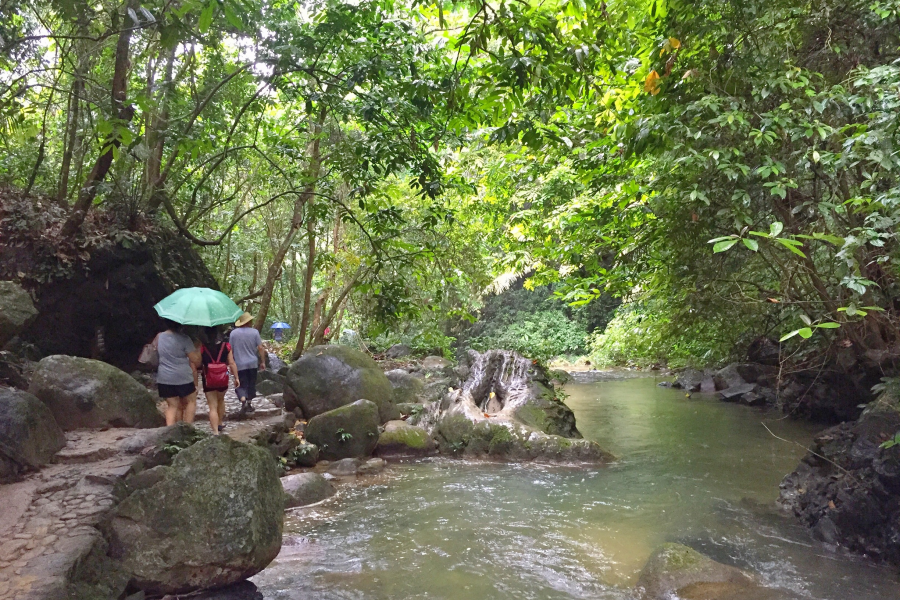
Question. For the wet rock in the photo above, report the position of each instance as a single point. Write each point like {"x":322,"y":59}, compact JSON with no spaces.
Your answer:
{"x":847,"y":488}
{"x":244,"y":590}
{"x":304,"y":489}
{"x":673,"y":568}
{"x":29,"y":435}
{"x":328,"y":377}
{"x":398,"y":351}
{"x":407,"y":388}
{"x":304,"y":455}
{"x":689,"y":380}
{"x":214,"y":519}
{"x":753,"y":399}
{"x":734,"y":393}
{"x":345,"y":467}
{"x":273,"y":363}
{"x":345,"y":432}
{"x":400,"y":439}
{"x":276,"y":400}
{"x":741,"y":373}
{"x":17,"y":311}
{"x":558,"y":376}
{"x":84,"y":393}
{"x":373,"y":466}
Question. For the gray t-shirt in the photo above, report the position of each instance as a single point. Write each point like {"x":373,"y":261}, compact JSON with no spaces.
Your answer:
{"x":174,"y":365}
{"x":244,"y":344}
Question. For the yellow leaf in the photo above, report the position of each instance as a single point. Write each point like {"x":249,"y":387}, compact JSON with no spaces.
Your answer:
{"x":675,"y":43}
{"x":651,"y":84}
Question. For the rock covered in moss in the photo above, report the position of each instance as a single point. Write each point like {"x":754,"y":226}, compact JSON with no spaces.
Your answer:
{"x":350,"y":431}
{"x":677,"y":571}
{"x":29,"y":435}
{"x":400,"y":439}
{"x":213,"y":518}
{"x":329,"y":377}
{"x":674,"y":567}
{"x":85,"y":393}
{"x":508,"y":440}
{"x":407,"y":387}
{"x":304,"y":489}
{"x":17,"y":310}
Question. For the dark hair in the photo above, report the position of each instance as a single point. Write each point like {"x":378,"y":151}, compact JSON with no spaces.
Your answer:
{"x":169,"y":324}
{"x":211,"y":334}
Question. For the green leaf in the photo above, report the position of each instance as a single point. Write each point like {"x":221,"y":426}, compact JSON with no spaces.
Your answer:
{"x":828,"y":325}
{"x":725,"y":245}
{"x":752,"y":244}
{"x":230,"y":15}
{"x":791,"y":245}
{"x":206,"y":17}
{"x":788,"y":336}
{"x":805,"y":333}
{"x":776,"y":228}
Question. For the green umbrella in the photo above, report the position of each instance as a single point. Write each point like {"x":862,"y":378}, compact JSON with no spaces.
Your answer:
{"x":198,"y":306}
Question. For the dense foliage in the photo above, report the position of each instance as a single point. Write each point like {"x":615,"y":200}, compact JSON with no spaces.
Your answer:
{"x":729,"y":169}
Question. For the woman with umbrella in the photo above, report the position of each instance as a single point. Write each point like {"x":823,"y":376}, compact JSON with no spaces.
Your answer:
{"x":177,"y":373}
{"x":179,"y":357}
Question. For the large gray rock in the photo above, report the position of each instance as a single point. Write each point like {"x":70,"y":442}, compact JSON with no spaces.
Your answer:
{"x":398,"y":351}
{"x":17,"y":310}
{"x":84,"y":393}
{"x":328,"y":377}
{"x":400,"y":439}
{"x":214,"y":518}
{"x":407,"y":387}
{"x":350,"y":431}
{"x":676,"y":571}
{"x":29,"y":436}
{"x":304,"y":489}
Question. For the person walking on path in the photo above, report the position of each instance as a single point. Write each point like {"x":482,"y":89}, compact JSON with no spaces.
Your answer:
{"x":177,"y":373}
{"x":217,"y":359}
{"x":250,"y":357}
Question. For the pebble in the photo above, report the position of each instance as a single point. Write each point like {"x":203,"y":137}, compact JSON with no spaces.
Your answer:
{"x":22,"y":536}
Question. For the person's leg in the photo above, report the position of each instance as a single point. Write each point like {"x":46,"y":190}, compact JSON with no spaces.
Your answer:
{"x":172,"y":410}
{"x":190,"y":407}
{"x":212,"y":399}
{"x":251,"y":387}
{"x":221,"y":409}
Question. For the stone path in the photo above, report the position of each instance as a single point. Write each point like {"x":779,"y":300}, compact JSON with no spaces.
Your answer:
{"x":48,"y":520}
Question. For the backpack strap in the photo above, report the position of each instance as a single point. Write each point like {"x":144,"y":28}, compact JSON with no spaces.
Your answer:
{"x":221,"y":349}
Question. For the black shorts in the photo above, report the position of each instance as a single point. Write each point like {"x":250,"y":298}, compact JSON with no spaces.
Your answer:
{"x":176,"y":391}
{"x":248,"y":383}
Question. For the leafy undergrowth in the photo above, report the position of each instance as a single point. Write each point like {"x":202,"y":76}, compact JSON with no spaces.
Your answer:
{"x":33,"y":250}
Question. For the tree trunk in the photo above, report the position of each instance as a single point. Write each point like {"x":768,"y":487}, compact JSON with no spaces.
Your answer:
{"x":123,"y":113}
{"x":304,"y":198}
{"x":156,"y":135}
{"x":307,"y":279}
{"x":71,"y":139}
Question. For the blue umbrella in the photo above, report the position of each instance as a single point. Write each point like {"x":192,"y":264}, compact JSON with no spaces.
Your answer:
{"x":280,"y":325}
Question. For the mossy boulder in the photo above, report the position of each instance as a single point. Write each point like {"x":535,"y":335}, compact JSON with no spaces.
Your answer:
{"x":304,"y":489}
{"x":545,"y":412}
{"x":328,"y":377}
{"x":350,"y":431}
{"x":17,"y":310}
{"x":29,"y":435}
{"x":407,"y":387}
{"x":85,"y":393}
{"x":213,"y":518}
{"x":508,"y":440}
{"x":400,"y":439}
{"x":674,"y":569}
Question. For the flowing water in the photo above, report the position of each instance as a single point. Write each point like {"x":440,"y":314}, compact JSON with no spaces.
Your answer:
{"x":691,"y":470}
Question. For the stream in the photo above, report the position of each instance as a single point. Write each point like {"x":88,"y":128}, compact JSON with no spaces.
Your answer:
{"x":691,"y":470}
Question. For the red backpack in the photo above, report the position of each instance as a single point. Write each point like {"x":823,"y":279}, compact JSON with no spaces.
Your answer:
{"x":216,"y":372}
